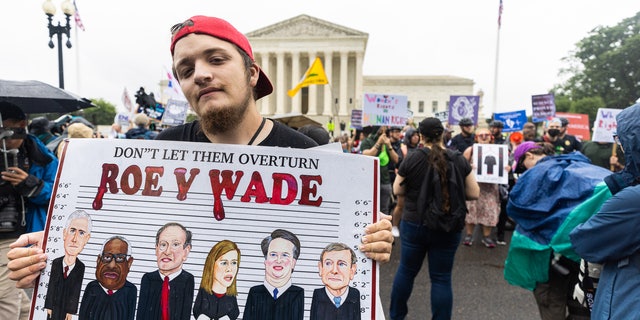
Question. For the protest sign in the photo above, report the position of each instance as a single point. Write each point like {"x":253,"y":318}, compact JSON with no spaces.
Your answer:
{"x":384,"y":110}
{"x":605,"y":125}
{"x":513,"y":121}
{"x":356,"y":119}
{"x":544,"y":107}
{"x":490,"y":162}
{"x":175,"y":112}
{"x":463,"y":107}
{"x":131,"y":188}
{"x":443,"y":116}
{"x":578,"y":124}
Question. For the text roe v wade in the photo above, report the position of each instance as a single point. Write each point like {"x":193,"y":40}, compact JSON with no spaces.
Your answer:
{"x":216,"y":157}
{"x":130,"y":181}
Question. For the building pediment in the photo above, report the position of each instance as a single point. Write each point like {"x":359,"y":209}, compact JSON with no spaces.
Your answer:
{"x":304,"y":26}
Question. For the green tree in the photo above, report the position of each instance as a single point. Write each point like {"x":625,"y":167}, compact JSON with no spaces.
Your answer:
{"x":102,"y":114}
{"x":588,"y":106}
{"x":605,"y":65}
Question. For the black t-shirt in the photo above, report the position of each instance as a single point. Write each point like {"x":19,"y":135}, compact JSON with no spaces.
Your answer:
{"x":461,"y":143}
{"x":568,"y":144}
{"x":280,"y":136}
{"x":413,"y":169}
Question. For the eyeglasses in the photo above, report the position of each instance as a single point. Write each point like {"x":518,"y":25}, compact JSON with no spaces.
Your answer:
{"x":174,"y":246}
{"x":108,"y":257}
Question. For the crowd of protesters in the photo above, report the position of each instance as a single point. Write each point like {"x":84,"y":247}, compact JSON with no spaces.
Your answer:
{"x":491,"y":214}
{"x":550,"y":197}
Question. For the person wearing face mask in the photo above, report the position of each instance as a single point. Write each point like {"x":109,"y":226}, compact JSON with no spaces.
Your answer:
{"x":553,"y":134}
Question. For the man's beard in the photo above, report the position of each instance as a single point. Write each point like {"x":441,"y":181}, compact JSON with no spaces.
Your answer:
{"x":225,"y":118}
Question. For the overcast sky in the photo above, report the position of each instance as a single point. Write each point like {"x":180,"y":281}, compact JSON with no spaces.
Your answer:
{"x":126,"y":42}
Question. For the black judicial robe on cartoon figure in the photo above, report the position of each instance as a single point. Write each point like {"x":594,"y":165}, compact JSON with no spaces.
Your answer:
{"x":180,"y":296}
{"x":97,"y":305}
{"x":261,"y":305}
{"x":63,"y":295}
{"x":322,"y":308}
{"x":215,"y":308}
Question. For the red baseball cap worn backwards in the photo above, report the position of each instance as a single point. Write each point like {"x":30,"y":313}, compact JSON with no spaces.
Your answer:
{"x":223,"y":30}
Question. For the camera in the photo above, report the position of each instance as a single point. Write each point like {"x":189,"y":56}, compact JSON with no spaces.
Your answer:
{"x":556,"y":265}
{"x":10,"y":213}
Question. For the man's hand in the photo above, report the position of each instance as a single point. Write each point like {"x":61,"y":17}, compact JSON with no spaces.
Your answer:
{"x":14,"y":175}
{"x":378,"y":240}
{"x":26,"y":259}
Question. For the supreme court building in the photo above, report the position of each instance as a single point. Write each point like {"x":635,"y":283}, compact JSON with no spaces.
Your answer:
{"x":286,"y":49}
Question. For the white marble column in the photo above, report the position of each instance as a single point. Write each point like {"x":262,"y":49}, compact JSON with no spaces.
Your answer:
{"x":328,"y":96}
{"x":295,"y":79}
{"x":313,"y":90}
{"x":264,"y":64}
{"x":358,"y":92}
{"x":344,"y":59}
{"x":280,"y":87}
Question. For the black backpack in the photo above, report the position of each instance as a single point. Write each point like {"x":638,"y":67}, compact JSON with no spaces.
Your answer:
{"x":430,"y":199}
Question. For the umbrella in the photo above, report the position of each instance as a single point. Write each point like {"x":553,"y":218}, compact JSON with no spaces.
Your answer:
{"x":39,"y":97}
{"x":295,"y":120}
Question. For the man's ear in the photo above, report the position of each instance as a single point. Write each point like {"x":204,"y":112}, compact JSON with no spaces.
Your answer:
{"x":254,"y":74}
{"x":188,"y":249}
{"x":354,"y":269}
{"x":130,"y":262}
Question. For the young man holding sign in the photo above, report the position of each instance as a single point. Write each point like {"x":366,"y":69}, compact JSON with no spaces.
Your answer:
{"x":213,"y":62}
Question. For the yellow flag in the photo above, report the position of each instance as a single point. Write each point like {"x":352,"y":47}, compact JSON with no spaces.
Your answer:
{"x":314,"y":75}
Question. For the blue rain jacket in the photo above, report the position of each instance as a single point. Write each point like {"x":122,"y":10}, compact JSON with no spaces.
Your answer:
{"x":540,"y":203}
{"x":611,"y":236}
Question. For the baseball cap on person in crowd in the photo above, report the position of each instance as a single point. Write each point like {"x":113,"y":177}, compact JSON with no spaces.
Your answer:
{"x":39,"y":125}
{"x":496,"y":124}
{"x":11,"y":111}
{"x":223,"y":30}
{"x":564,"y":121}
{"x":431,"y":127}
{"x":519,"y":153}
{"x":465,"y":122}
{"x":554,"y":120}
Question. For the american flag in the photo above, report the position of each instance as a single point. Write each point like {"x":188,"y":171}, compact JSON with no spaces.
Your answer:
{"x":76,"y":16}
{"x":500,"y":15}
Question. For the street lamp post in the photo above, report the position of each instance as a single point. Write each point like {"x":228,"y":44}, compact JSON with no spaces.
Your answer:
{"x":50,"y":10}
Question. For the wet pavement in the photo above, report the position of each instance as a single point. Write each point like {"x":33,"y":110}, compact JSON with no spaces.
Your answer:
{"x":479,"y":288}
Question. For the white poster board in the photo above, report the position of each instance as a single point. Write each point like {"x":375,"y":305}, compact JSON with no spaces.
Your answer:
{"x":384,"y":110}
{"x":490,"y":161}
{"x":130,"y":188}
{"x":605,"y":125}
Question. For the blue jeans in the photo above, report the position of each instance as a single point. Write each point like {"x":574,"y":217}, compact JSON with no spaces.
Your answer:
{"x":440,"y":247}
